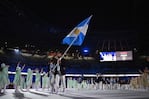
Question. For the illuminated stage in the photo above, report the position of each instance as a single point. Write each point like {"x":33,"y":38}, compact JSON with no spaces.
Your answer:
{"x":78,"y":94}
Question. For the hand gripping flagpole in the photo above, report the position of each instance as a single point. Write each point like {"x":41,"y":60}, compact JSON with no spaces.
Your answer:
{"x":64,"y":53}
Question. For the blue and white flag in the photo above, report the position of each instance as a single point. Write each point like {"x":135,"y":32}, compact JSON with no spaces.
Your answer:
{"x":77,"y":35}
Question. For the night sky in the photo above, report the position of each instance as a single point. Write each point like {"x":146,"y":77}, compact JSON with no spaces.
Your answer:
{"x":45,"y":23}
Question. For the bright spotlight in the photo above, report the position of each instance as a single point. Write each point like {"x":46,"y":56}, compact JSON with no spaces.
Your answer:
{"x":85,"y":51}
{"x":16,"y":50}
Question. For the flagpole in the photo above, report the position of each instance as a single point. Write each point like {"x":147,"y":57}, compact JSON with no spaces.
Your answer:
{"x":68,"y":48}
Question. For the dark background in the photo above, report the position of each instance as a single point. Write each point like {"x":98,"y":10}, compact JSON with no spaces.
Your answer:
{"x":45,"y":23}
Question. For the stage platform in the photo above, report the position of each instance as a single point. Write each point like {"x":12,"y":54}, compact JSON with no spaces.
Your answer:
{"x":77,"y":94}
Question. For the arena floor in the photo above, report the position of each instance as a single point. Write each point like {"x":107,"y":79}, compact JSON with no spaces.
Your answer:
{"x":78,"y":94}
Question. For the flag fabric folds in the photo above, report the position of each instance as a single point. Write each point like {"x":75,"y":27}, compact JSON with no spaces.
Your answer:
{"x":77,"y":35}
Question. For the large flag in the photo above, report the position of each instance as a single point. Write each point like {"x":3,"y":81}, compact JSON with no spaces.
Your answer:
{"x":77,"y":35}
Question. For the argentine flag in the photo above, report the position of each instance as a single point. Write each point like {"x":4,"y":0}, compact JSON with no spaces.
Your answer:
{"x":77,"y":35}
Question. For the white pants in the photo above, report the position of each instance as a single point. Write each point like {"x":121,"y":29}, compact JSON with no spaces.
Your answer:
{"x":52,"y":82}
{"x":57,"y":81}
{"x":63,"y":82}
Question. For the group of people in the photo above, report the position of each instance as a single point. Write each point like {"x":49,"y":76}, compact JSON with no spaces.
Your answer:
{"x":54,"y":78}
{"x":142,"y":81}
{"x":57,"y":75}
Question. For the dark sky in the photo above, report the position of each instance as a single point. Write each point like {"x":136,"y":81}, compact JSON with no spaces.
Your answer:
{"x":45,"y":23}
